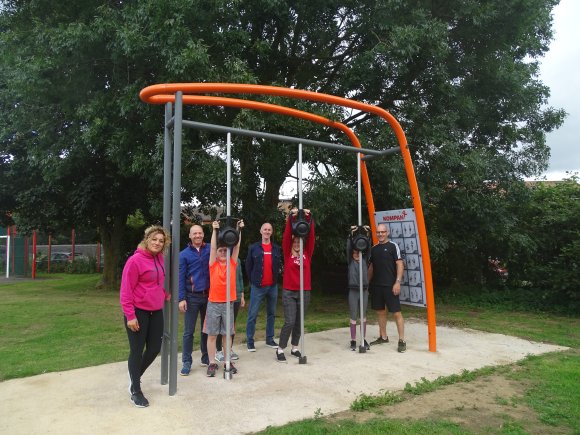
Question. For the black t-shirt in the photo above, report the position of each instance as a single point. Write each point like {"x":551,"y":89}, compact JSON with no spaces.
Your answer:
{"x":384,"y":257}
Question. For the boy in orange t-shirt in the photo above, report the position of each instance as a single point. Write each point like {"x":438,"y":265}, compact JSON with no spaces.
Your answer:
{"x":215,"y":318}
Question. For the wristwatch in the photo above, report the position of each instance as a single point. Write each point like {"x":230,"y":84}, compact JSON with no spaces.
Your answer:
{"x":399,"y":280}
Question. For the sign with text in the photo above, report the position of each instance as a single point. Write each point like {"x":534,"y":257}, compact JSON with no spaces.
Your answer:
{"x":403,"y":231}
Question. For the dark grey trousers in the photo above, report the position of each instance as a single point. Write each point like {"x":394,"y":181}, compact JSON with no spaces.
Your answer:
{"x":291,"y":303}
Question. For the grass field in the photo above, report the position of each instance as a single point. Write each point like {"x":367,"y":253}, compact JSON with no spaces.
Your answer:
{"x":62,"y":322}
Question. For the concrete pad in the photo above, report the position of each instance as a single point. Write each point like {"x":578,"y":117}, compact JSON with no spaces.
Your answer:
{"x":263,"y":393}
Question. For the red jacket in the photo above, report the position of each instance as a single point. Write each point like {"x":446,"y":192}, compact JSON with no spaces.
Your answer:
{"x":291,"y":279}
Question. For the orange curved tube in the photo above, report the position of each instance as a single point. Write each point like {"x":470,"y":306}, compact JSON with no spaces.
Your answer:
{"x":163,"y":93}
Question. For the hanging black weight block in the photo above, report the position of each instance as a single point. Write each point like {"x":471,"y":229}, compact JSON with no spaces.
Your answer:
{"x":228,"y":235}
{"x":301,"y":227}
{"x":360,"y":240}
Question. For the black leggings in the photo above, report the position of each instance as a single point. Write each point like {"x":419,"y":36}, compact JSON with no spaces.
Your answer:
{"x":148,"y":338}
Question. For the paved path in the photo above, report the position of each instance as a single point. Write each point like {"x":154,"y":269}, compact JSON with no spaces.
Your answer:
{"x":95,"y":400}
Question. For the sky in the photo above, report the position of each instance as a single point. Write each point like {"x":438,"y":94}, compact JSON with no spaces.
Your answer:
{"x":560,"y":71}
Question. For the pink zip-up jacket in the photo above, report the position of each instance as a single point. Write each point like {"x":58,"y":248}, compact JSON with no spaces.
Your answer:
{"x":142,"y":283}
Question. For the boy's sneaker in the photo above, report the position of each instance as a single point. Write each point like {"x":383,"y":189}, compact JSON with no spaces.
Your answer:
{"x":204,"y":361}
{"x":367,"y":346}
{"x":185,"y":369}
{"x":234,"y":356}
{"x":380,"y":340}
{"x":296,"y":353}
{"x":280,"y":357}
{"x":139,"y":400}
{"x":352,"y":344}
{"x":233,"y":369}
{"x":219,"y":356}
{"x":402,"y":347}
{"x":272,"y":344}
{"x":211,"y":369}
{"x":251,"y":347}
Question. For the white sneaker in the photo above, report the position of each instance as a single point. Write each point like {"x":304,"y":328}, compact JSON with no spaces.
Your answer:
{"x":234,"y":356}
{"x":219,"y":356}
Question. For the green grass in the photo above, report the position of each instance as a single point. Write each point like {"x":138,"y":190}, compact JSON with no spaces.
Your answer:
{"x":375,"y":426}
{"x":62,"y":322}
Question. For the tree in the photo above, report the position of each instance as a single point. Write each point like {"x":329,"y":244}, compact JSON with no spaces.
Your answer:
{"x":548,"y":261}
{"x":467,"y":97}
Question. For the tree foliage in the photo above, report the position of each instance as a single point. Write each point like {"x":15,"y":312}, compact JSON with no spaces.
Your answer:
{"x":460,"y":76}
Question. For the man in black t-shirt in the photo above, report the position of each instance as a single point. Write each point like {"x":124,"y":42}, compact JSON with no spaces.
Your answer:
{"x":385,"y":275}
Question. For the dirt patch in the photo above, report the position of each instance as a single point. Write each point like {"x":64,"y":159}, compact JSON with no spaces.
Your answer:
{"x":485,"y":405}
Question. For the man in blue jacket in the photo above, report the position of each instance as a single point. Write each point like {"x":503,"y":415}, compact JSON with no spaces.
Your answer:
{"x":262,"y":267}
{"x":193,"y":294}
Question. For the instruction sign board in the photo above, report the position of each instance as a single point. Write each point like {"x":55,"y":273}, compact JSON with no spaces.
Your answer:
{"x":403,"y":231}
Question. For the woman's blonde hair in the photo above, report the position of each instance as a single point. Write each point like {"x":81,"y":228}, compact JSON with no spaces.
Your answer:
{"x":151,"y":231}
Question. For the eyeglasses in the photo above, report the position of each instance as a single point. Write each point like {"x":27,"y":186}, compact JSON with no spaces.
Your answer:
{"x":381,"y":232}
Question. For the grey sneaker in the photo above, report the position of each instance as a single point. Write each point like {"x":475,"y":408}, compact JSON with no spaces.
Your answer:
{"x":211,"y":369}
{"x":139,"y":400}
{"x":219,"y":356}
{"x":380,"y":340}
{"x":234,"y":356}
{"x":402,"y":347}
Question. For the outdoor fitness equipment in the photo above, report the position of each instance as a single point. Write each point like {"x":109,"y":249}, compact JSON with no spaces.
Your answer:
{"x":173,"y":93}
{"x":359,"y":242}
{"x":300,"y":230}
{"x":229,"y":236}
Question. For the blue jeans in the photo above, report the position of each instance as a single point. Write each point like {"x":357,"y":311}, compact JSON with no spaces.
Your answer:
{"x":196,"y":305}
{"x":257,"y":295}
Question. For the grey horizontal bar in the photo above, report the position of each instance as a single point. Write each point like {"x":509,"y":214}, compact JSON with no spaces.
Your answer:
{"x":282,"y":138}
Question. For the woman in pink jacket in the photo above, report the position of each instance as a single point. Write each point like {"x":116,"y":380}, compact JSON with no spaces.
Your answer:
{"x":142,"y":299}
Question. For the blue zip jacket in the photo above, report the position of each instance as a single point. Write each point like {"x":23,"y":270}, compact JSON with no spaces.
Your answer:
{"x":193,"y":270}
{"x":255,"y":263}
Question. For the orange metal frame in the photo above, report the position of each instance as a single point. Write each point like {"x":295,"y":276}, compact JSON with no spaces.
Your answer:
{"x":165,"y":93}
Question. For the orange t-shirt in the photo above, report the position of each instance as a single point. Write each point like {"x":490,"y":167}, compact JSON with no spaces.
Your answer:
{"x":218,"y":282}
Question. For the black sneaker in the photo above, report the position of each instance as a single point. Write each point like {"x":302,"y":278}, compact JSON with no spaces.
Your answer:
{"x":204,"y":361}
{"x":402,"y":347}
{"x":296,"y":353}
{"x":233,"y":369}
{"x":352,"y":344}
{"x":272,"y":344}
{"x":251,"y":347}
{"x":211,"y":370}
{"x":380,"y":340}
{"x":139,"y":400}
{"x":280,"y":357}
{"x":367,"y":346}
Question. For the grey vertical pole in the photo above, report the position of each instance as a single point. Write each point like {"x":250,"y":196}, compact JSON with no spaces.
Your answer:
{"x":226,"y":337}
{"x":361,"y":260}
{"x":175,"y":235}
{"x":166,"y":223}
{"x":302,"y":359}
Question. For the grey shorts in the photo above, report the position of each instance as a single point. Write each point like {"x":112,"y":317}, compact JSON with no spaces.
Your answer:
{"x":215,"y":318}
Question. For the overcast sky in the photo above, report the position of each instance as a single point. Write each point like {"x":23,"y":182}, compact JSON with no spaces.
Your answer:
{"x":560,"y":71}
